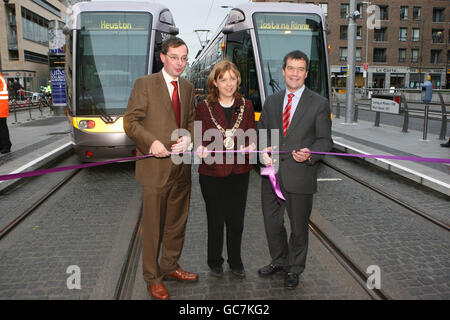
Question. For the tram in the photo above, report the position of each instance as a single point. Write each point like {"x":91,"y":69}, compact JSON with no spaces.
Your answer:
{"x":256,"y":37}
{"x":109,"y":45}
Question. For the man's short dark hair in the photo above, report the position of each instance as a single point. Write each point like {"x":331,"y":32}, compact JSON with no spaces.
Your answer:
{"x":173,"y":42}
{"x":296,"y":55}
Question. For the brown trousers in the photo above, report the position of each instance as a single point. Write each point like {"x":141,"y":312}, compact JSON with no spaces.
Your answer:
{"x":165,"y":212}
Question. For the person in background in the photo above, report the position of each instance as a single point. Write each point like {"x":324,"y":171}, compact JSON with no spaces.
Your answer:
{"x":224,"y":186}
{"x":5,"y":142}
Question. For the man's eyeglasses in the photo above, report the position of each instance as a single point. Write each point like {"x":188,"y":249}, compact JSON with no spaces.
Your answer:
{"x":175,"y":58}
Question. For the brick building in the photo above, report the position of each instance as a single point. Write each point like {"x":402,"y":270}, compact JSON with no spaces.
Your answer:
{"x":412,"y":41}
{"x":24,"y":39}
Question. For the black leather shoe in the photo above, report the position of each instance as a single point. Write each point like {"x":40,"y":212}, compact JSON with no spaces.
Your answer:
{"x":269,"y":270}
{"x":240,"y":273}
{"x":446,"y":145}
{"x":291,"y":280}
{"x":5,"y":150}
{"x":216,"y":272}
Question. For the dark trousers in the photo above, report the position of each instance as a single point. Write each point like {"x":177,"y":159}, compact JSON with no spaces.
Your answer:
{"x":225,"y":199}
{"x":292,"y":254}
{"x":5,"y":143}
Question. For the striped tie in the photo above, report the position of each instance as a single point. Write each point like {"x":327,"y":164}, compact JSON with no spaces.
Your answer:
{"x":287,"y":113}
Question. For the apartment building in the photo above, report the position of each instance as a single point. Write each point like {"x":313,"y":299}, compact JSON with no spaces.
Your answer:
{"x":411,"y":40}
{"x":24,"y":40}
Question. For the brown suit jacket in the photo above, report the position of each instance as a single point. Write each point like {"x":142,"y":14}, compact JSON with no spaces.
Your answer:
{"x":150,"y":117}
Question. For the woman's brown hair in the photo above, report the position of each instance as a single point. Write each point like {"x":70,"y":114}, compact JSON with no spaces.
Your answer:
{"x":217,"y":73}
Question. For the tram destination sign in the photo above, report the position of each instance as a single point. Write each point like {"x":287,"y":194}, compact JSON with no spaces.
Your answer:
{"x":286,"y":22}
{"x":113,"y":21}
{"x":385,"y":103}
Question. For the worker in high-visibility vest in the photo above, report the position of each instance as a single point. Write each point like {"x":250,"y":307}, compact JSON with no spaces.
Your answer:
{"x":5,"y":143}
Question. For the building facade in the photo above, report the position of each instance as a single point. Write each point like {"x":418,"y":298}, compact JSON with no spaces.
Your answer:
{"x":24,"y":40}
{"x":399,"y":42}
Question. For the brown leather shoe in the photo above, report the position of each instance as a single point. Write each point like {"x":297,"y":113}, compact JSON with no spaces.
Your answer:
{"x":158,"y":291}
{"x":182,"y":275}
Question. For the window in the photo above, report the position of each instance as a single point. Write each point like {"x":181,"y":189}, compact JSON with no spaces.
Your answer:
{"x":435,"y":56}
{"x":324,"y":7}
{"x":403,"y":35}
{"x":414,"y":55}
{"x":343,"y":53}
{"x":343,"y":33}
{"x":35,"y":28}
{"x":401,"y":55}
{"x":35,"y":57}
{"x":438,"y":15}
{"x":404,"y":13}
{"x":384,"y":13}
{"x":345,"y":8}
{"x":380,"y":34}
{"x":358,"y":32}
{"x":417,"y":13}
{"x":358,"y":54}
{"x":379,"y":55}
{"x":437,"y":35}
{"x":416,"y":35}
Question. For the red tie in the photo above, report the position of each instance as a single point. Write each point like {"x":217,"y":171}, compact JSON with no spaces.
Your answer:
{"x":287,"y":113}
{"x":176,"y":102}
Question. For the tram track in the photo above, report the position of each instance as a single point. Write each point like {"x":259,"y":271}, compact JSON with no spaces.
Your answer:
{"x":351,"y":267}
{"x":385,"y":194}
{"x":36,"y":203}
{"x":124,"y":287}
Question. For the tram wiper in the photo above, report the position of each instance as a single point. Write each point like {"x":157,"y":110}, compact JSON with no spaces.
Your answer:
{"x":272,"y":82}
{"x":104,"y":114}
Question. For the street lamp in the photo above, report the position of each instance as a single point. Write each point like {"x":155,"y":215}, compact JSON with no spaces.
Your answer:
{"x":367,"y":44}
{"x":352,"y":16}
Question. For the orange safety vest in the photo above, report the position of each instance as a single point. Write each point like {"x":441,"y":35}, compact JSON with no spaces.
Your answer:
{"x":4,"y":109}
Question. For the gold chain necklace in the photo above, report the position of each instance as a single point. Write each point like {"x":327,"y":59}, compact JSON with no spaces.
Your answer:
{"x":228,"y":141}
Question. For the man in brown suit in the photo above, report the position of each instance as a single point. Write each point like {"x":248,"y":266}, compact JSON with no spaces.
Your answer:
{"x":159,"y":105}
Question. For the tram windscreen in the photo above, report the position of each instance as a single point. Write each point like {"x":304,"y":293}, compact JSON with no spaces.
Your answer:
{"x":279,"y":34}
{"x":112,"y":52}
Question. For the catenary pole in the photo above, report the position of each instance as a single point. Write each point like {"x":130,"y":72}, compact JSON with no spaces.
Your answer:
{"x":351,"y":52}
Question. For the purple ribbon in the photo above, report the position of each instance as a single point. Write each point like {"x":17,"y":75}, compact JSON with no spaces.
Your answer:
{"x":94,"y":164}
{"x":270,"y":172}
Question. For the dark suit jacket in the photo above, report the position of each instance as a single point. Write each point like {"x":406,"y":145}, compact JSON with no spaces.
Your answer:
{"x":310,"y":128}
{"x":150,"y":117}
{"x":248,"y":122}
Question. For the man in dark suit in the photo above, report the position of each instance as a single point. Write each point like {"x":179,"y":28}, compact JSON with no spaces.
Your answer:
{"x":159,"y":106}
{"x":303,"y":120}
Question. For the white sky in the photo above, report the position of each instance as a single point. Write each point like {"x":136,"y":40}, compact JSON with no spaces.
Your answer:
{"x":190,"y":15}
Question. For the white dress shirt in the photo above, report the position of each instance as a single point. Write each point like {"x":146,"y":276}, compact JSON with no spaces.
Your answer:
{"x":295,"y":100}
{"x":169,"y":84}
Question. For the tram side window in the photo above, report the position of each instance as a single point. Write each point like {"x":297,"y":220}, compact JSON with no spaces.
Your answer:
{"x":159,"y":39}
{"x":69,"y":70}
{"x":240,"y":52}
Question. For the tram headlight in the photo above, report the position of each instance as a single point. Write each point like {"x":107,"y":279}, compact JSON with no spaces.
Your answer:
{"x":86,"y":124}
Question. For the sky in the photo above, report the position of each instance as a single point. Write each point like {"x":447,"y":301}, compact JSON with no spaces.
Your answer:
{"x":190,"y":15}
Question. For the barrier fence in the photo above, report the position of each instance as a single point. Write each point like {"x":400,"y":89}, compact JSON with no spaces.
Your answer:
{"x":408,"y":97}
{"x":28,"y":105}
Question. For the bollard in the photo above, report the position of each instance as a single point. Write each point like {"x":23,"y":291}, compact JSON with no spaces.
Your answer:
{"x":443,"y":118}
{"x":355,"y":115}
{"x":425,"y":123}
{"x":15,"y":112}
{"x":40,"y":109}
{"x":29,"y":110}
{"x":406,"y":115}
{"x":377,"y":119}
